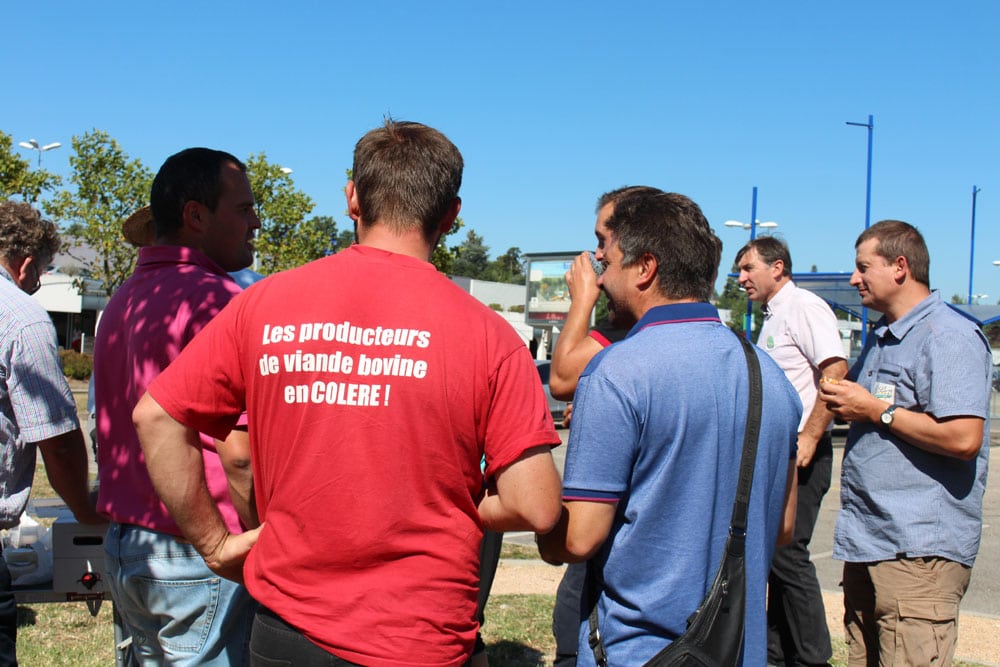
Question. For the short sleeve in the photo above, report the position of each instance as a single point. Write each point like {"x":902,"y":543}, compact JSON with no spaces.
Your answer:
{"x":519,"y":417}
{"x":39,"y":394}
{"x":599,"y":461}
{"x":957,"y":367}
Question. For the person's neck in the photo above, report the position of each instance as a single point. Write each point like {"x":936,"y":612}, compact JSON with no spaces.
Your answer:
{"x":905,"y":301}
{"x":778,"y":286}
{"x":411,"y":242}
{"x":662,"y":301}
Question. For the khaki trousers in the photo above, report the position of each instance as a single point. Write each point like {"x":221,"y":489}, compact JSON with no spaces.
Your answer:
{"x":902,"y":613}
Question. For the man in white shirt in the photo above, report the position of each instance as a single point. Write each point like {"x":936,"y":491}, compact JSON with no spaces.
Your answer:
{"x":800,"y":334}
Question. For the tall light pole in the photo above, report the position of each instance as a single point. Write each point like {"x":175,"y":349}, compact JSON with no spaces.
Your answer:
{"x":868,"y":210}
{"x":31,"y":144}
{"x":752,"y":226}
{"x":972,"y":239}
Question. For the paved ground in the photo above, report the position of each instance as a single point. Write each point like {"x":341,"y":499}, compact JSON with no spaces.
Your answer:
{"x":980,"y":614}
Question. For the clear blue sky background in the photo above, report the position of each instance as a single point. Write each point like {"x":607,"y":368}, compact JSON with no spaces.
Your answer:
{"x":553,"y":103}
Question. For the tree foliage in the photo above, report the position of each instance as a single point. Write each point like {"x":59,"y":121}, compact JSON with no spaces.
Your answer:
{"x":734,"y":300}
{"x":285,"y":239}
{"x":471,"y":260}
{"x":108,"y":187}
{"x":507,"y":268}
{"x":471,"y":256}
{"x":17,"y":179}
{"x":443,"y":256}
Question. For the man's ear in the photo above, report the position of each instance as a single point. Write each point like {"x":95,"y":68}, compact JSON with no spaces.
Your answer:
{"x":902,"y":269}
{"x":777,"y":268}
{"x":353,"y":208}
{"x":193,"y":216}
{"x":648,"y":267}
{"x":24,"y":276}
{"x":449,"y":218}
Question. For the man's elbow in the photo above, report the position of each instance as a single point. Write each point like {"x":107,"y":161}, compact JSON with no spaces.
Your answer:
{"x":542,"y":517}
{"x":966,"y":440}
{"x":580,"y":549}
{"x":968,"y":449}
{"x":148,"y":418}
{"x":560,"y":388}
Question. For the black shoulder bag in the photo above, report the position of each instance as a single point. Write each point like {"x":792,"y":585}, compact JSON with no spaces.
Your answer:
{"x":714,"y":634}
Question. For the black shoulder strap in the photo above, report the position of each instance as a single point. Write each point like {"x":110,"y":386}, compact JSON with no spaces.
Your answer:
{"x":738,"y":522}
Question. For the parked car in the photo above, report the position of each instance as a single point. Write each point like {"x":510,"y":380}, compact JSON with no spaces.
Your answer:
{"x":556,"y":407}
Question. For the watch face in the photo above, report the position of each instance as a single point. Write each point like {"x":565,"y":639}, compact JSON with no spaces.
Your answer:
{"x":887,"y":417}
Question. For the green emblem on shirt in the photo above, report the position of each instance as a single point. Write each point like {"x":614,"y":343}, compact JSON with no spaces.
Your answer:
{"x":770,"y":342}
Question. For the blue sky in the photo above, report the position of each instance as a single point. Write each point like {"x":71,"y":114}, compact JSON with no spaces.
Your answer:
{"x":554,"y":103}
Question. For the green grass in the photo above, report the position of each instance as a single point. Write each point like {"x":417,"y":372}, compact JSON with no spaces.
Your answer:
{"x":518,"y":552}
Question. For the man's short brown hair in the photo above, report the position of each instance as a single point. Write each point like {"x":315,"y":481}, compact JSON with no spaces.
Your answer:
{"x":770,"y":250}
{"x":900,"y":239}
{"x":406,"y":175}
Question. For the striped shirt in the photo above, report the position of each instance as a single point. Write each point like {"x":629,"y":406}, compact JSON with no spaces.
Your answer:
{"x":35,"y":400}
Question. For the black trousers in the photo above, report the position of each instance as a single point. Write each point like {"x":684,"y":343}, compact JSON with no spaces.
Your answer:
{"x":796,"y":620}
{"x":8,"y":619}
{"x":274,"y":643}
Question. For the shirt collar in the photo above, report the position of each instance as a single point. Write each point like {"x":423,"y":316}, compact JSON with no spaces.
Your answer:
{"x":6,"y":274}
{"x":902,"y":326}
{"x":783,"y":294}
{"x":151,"y":257}
{"x":676,"y":313}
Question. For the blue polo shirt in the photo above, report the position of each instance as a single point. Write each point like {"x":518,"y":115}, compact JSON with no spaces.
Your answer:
{"x":898,"y":500}
{"x":658,"y":428}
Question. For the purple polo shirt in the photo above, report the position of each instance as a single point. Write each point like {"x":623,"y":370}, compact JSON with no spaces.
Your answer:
{"x":173,"y":293}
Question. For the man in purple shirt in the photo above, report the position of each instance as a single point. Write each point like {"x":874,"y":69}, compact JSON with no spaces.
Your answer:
{"x":174,"y":607}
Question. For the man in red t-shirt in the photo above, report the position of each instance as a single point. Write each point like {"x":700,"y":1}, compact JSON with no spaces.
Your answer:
{"x":373,"y":387}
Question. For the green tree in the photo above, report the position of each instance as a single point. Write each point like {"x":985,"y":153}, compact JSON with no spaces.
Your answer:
{"x":108,"y":188}
{"x":443,"y":256}
{"x":957,"y":299}
{"x":734,"y":300}
{"x":507,"y":268}
{"x":471,"y":256}
{"x":285,"y":239}
{"x":16,"y":176}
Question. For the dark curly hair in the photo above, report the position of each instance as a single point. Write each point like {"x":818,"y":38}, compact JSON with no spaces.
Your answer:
{"x":25,"y":233}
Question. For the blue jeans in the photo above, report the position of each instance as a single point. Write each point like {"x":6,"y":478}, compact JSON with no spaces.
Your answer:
{"x":177,"y":611}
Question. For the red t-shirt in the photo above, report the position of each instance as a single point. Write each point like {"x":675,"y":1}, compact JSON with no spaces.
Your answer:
{"x":373,"y":386}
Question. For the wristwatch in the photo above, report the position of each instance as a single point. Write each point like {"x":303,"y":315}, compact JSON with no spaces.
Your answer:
{"x":887,"y":416}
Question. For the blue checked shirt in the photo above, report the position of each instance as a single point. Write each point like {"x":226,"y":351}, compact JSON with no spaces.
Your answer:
{"x":35,"y":400}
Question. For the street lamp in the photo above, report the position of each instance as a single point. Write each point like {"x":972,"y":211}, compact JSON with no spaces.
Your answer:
{"x":976,"y":298}
{"x":972,"y":240}
{"x":32,"y":144}
{"x":746,"y":225}
{"x":868,"y":210}
{"x":752,"y":226}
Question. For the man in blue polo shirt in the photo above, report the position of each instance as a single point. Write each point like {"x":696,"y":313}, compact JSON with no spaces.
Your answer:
{"x":914,"y":468}
{"x":654,"y":453}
